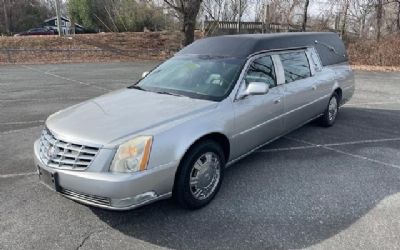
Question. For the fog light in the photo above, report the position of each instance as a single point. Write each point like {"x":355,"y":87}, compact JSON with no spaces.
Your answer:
{"x":136,"y":200}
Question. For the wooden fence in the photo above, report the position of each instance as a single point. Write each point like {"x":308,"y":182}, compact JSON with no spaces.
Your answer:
{"x":214,"y":28}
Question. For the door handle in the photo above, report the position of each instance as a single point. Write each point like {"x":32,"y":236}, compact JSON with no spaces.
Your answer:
{"x":277,"y":101}
{"x":314,"y":87}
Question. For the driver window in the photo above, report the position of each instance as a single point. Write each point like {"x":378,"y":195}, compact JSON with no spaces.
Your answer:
{"x":261,"y":70}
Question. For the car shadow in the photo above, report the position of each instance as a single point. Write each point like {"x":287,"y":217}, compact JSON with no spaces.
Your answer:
{"x":280,"y":199}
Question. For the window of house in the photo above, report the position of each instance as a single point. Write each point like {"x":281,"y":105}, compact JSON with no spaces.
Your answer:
{"x":295,"y":65}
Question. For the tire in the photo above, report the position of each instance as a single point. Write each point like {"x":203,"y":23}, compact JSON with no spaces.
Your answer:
{"x":204,"y":162}
{"x":329,"y":116}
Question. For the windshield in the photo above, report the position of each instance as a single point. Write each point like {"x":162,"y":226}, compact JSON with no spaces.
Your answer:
{"x":202,"y":77}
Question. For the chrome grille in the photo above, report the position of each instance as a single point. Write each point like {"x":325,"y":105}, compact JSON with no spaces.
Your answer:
{"x":60,"y":154}
{"x":86,"y":197}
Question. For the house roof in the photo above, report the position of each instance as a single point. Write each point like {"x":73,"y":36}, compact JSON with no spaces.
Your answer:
{"x":63,"y":18}
{"x":329,"y":45}
{"x":54,"y":18}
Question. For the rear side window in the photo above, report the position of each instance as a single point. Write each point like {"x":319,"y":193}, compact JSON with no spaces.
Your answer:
{"x":261,"y":70}
{"x":315,"y":59}
{"x":295,"y":65}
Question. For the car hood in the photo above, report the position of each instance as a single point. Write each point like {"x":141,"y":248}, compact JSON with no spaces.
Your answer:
{"x":118,"y":115}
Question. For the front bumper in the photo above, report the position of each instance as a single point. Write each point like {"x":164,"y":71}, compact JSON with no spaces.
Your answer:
{"x":115,"y":191}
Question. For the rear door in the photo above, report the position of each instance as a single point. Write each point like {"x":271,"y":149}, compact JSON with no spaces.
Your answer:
{"x":323,"y":79}
{"x":300,"y":91}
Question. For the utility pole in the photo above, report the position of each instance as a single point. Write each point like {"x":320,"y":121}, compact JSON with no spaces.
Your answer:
{"x":239,"y":16}
{"x":58,"y":13}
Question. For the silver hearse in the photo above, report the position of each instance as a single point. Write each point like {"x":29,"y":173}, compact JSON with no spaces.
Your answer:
{"x":173,"y":132}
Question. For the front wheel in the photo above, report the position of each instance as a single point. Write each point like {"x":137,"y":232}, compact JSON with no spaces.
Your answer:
{"x":200,"y":175}
{"x":330,"y":113}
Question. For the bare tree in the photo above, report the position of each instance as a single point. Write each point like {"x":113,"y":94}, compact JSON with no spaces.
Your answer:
{"x":283,"y":11}
{"x":346,"y":5}
{"x":358,"y":13}
{"x":379,"y":14}
{"x":396,"y":11}
{"x":5,"y":12}
{"x":306,"y":4}
{"x":19,"y":15}
{"x":214,"y":9}
{"x":188,"y":11}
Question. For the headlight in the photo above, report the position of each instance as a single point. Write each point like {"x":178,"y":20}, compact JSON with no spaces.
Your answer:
{"x":132,"y":156}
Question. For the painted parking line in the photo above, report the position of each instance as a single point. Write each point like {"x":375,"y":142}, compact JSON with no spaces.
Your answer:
{"x":369,"y":103}
{"x":66,"y":78}
{"x":3,"y":176}
{"x":46,"y":99}
{"x":21,"y":130}
{"x":21,"y":122}
{"x":326,"y":145}
{"x":285,"y":149}
{"x":362,"y":142}
{"x":345,"y":153}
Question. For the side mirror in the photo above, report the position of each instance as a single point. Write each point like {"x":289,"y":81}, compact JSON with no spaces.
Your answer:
{"x":255,"y":88}
{"x":144,"y":74}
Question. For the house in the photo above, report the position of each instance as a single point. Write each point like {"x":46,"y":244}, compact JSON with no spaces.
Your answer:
{"x":66,"y":28}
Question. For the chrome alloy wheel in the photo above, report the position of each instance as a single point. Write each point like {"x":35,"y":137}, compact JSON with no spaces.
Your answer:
{"x":205,"y":176}
{"x":332,"y":109}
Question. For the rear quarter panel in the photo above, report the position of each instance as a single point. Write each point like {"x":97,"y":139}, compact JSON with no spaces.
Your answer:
{"x":344,"y":80}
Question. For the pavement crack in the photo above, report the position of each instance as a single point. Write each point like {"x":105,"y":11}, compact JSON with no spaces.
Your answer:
{"x":87,"y":237}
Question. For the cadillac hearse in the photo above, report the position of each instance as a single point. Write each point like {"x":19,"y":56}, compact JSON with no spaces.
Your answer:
{"x":173,"y":132}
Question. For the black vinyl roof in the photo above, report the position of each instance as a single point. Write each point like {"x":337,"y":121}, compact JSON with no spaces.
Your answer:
{"x":328,"y":45}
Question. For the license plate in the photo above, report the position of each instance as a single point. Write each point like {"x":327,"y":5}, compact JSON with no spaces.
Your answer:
{"x":48,"y":178}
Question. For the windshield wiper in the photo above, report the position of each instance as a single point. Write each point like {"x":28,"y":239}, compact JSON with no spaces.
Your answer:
{"x":137,"y":87}
{"x":158,"y":92}
{"x":167,"y":93}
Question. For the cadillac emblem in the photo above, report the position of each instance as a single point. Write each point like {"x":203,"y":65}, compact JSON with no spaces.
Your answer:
{"x":52,"y":152}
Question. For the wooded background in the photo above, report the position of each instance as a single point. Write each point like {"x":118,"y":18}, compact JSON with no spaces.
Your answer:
{"x":364,"y":18}
{"x":363,"y":24}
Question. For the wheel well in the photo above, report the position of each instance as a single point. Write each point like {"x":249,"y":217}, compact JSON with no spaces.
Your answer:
{"x":221,"y":139}
{"x":338,"y":91}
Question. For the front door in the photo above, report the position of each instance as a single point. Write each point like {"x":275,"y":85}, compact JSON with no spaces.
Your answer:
{"x":257,"y":117}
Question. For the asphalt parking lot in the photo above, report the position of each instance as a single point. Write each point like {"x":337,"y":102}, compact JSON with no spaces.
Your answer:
{"x":317,"y":188}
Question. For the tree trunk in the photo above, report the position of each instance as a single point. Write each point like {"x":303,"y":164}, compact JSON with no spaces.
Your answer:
{"x":189,"y":12}
{"x":346,"y":9}
{"x":362,"y":26}
{"x":398,"y":16}
{"x":305,"y":15}
{"x":379,"y":19}
{"x":6,"y":22}
{"x":239,"y":16}
{"x":189,"y":25}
